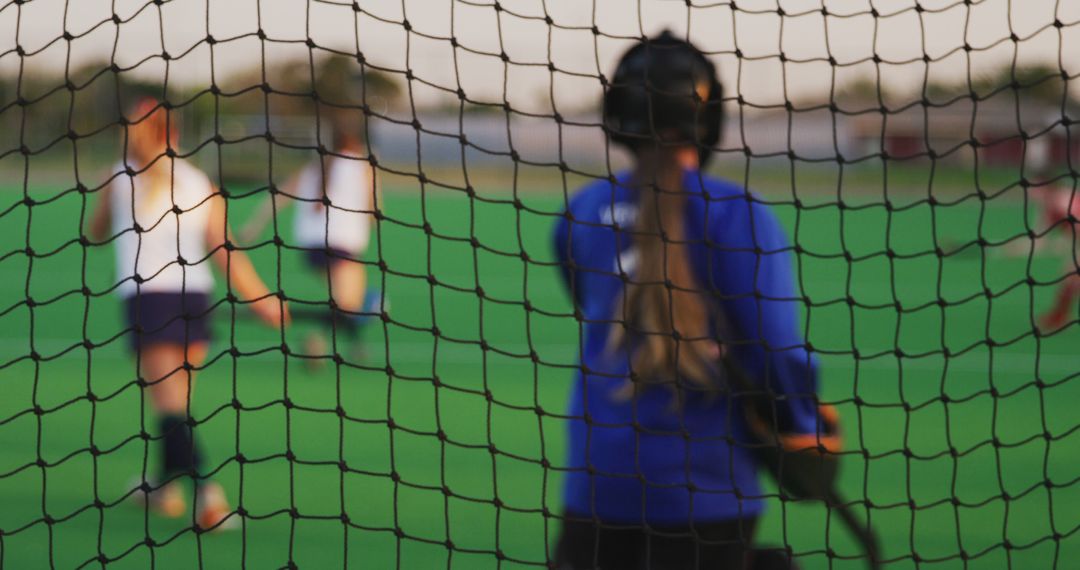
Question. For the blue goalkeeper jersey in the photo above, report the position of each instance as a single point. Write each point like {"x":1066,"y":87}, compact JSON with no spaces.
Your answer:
{"x":650,"y":459}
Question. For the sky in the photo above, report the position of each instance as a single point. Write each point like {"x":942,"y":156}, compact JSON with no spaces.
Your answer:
{"x":746,"y":41}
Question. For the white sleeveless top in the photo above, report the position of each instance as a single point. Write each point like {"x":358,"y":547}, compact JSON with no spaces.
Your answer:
{"x":345,"y":224}
{"x":166,"y":236}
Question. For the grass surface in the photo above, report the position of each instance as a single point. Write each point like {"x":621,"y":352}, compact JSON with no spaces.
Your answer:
{"x":964,"y":453}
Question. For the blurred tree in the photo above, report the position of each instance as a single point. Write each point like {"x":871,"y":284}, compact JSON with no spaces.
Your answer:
{"x":344,"y":81}
{"x":41,"y":117}
{"x":96,"y":99}
{"x":866,"y":93}
{"x":8,"y":110}
{"x":1041,"y":84}
{"x":90,"y":99}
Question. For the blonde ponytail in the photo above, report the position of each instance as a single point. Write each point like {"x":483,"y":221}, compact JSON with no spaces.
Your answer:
{"x":664,"y":314}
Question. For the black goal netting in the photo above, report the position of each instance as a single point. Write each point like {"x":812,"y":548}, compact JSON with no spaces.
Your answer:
{"x":316,"y":283}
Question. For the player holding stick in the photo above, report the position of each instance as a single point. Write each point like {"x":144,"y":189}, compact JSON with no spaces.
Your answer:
{"x":166,"y":218}
{"x":334,"y":197}
{"x":672,"y":272}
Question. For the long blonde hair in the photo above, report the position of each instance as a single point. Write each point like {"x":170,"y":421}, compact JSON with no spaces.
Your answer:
{"x":149,"y":135}
{"x":665,"y":316}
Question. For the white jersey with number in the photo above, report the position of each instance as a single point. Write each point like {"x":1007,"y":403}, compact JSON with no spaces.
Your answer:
{"x":346,"y":223}
{"x":172,"y":222}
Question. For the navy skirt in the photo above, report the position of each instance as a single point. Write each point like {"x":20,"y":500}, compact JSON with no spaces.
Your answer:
{"x":323,"y":258}
{"x":172,"y":318}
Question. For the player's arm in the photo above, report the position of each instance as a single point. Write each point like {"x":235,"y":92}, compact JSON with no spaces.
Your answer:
{"x":265,"y":213}
{"x":240,"y":274}
{"x":101,"y":218}
{"x":753,"y":272}
{"x":562,"y":243}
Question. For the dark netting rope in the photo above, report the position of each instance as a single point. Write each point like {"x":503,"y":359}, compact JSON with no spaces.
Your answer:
{"x":18,"y":146}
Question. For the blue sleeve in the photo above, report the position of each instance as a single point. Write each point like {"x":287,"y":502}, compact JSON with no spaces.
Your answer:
{"x":561,"y":240}
{"x":753,"y":273}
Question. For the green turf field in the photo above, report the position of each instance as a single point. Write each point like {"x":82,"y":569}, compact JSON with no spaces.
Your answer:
{"x":996,"y":464}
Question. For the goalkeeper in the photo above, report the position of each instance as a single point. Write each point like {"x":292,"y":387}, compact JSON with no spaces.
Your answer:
{"x":166,"y":218}
{"x":673,"y":271}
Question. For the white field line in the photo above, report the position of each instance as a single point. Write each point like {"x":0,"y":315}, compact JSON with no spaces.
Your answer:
{"x":567,"y":354}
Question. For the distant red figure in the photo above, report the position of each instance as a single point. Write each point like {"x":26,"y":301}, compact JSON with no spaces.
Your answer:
{"x":1060,"y":203}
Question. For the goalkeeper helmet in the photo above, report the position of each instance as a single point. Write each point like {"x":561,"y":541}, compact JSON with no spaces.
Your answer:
{"x":665,"y":90}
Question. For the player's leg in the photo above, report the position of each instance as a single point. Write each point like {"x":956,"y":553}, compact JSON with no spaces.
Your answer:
{"x":171,"y":339}
{"x":1056,"y":217}
{"x":707,"y":545}
{"x":169,"y":382}
{"x":348,"y":283}
{"x":1061,"y":311}
{"x":170,"y":370}
{"x":346,"y":280}
{"x":583,"y":545}
{"x":1069,"y":290}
